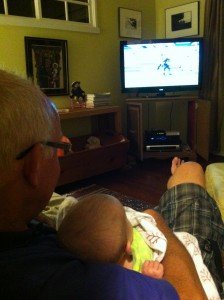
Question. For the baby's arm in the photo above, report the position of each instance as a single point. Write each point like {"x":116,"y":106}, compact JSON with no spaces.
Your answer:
{"x":153,"y":269}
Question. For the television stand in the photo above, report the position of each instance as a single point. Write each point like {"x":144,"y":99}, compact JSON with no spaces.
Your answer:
{"x":184,"y":153}
{"x":158,"y":95}
{"x":139,"y":119}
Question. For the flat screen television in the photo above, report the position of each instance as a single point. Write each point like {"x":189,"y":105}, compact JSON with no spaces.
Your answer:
{"x":161,"y":66}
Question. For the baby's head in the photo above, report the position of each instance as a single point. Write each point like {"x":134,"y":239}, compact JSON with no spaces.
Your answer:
{"x":96,"y":229}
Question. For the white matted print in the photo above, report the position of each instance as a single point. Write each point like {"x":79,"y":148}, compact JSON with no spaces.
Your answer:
{"x":182,"y":20}
{"x":130,"y":23}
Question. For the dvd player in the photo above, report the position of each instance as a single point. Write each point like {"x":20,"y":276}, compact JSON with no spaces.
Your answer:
{"x":162,"y":147}
{"x":161,"y":140}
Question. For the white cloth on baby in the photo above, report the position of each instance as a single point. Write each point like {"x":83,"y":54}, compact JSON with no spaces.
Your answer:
{"x":64,"y":208}
{"x":147,"y":226}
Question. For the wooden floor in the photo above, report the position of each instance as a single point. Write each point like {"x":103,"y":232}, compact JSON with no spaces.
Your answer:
{"x":141,"y":180}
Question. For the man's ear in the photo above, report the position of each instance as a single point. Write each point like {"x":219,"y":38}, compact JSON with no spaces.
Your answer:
{"x":32,"y":164}
{"x":128,"y":248}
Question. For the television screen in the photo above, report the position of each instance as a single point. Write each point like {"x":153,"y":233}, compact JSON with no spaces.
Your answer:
{"x":160,"y":66}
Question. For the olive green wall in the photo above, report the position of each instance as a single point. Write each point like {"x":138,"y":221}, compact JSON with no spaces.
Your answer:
{"x":93,"y":58}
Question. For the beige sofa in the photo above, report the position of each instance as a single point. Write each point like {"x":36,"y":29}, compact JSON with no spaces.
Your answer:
{"x":214,"y":176}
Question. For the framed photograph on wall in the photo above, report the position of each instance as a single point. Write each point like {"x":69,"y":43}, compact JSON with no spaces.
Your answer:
{"x":182,"y":20}
{"x":47,"y":64}
{"x":130,"y":23}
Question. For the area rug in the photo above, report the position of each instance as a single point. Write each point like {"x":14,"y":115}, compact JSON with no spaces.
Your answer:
{"x":124,"y":199}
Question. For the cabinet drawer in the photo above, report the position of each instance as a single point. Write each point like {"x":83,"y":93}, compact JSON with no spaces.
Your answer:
{"x":87,"y":163}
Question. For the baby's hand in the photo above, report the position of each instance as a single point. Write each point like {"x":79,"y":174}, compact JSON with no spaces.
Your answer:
{"x":153,"y":269}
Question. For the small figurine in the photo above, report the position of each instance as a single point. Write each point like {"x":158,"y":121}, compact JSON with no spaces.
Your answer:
{"x":77,"y":93}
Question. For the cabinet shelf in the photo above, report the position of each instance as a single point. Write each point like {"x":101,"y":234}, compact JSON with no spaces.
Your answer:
{"x":97,"y":111}
{"x":191,"y":155}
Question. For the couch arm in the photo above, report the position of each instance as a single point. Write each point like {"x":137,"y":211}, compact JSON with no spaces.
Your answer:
{"x":214,"y":177}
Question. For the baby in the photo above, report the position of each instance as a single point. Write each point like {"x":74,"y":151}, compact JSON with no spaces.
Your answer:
{"x":97,"y":229}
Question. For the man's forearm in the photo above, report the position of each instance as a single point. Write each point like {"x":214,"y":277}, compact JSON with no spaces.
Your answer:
{"x":179,"y":268}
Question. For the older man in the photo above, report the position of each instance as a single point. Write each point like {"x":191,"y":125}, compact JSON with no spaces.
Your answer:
{"x":32,"y":264}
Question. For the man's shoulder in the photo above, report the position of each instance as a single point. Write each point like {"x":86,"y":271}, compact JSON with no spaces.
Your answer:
{"x":107,"y":281}
{"x":31,"y":259}
{"x":37,"y":267}
{"x":121,"y":283}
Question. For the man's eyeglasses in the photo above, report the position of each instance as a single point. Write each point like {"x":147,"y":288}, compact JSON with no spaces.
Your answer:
{"x":66,"y":147}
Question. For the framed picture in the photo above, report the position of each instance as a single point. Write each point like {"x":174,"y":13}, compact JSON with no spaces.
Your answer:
{"x":47,"y":64}
{"x":182,"y":20}
{"x":130,"y":23}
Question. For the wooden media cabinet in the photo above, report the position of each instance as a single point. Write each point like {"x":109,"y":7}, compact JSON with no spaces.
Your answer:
{"x":112,"y":154}
{"x":141,"y":117}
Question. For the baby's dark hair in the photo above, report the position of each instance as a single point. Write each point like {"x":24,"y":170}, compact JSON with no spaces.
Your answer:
{"x":95,"y":229}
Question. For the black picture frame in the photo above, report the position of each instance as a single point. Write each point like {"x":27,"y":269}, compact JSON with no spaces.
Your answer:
{"x":47,"y":64}
{"x":183,"y":20}
{"x":130,"y":23}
